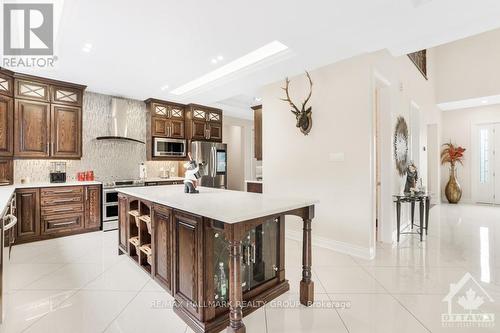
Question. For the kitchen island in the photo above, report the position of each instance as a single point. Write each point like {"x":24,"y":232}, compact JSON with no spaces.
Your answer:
{"x":220,"y":253}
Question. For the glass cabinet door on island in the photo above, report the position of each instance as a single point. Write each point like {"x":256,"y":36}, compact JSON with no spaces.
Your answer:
{"x":260,"y":255}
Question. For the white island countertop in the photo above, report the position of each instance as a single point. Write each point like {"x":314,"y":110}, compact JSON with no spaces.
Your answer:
{"x":222,"y":205}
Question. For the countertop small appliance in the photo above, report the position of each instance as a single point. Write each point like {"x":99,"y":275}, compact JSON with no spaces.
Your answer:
{"x":58,"y":172}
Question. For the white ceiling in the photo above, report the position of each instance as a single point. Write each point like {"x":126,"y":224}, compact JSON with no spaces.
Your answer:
{"x":140,"y":46}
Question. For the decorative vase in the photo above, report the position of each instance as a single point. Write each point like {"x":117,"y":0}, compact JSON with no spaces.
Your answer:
{"x":453,"y":190}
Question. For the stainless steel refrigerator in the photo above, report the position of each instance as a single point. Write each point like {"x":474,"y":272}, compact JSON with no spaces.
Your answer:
{"x":212,"y":158}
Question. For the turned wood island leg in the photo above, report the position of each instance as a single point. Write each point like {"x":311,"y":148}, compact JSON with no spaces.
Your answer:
{"x":306,"y":284}
{"x":235,"y":292}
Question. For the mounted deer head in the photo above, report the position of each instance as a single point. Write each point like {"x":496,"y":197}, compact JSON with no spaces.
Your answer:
{"x":303,"y":116}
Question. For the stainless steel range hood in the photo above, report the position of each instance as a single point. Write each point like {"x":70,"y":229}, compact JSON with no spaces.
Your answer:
{"x":118,"y":127}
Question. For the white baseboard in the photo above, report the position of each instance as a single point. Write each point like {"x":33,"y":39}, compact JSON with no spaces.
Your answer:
{"x":342,"y":247}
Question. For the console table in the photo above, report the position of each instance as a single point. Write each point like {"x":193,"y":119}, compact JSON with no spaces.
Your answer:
{"x":424,"y":206}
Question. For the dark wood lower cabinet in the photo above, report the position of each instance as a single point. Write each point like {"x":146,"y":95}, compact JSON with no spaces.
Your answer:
{"x":28,"y":214}
{"x":62,"y":223}
{"x":162,"y":246}
{"x":188,"y":264}
{"x":92,"y":207}
{"x":254,"y":187}
{"x":44,"y":213}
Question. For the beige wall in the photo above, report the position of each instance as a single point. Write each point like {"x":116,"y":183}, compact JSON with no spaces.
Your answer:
{"x":342,"y":123}
{"x":458,"y":127}
{"x":468,"y":68}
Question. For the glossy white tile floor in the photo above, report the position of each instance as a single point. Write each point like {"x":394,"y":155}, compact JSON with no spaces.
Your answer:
{"x":80,"y":284}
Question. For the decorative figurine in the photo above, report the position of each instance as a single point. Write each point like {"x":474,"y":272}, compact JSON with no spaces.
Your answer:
{"x":411,"y":178}
{"x":191,"y":176}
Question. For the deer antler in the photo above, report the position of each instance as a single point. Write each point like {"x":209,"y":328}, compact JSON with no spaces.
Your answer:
{"x":287,"y":99}
{"x":310,"y":91}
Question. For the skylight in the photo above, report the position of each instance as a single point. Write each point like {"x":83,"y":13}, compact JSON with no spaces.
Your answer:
{"x":243,"y":62}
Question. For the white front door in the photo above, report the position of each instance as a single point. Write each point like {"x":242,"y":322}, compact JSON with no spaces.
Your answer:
{"x":486,"y":187}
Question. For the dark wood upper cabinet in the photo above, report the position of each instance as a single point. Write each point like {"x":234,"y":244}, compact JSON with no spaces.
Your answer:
{"x":6,"y":171}
{"x":162,"y":246}
{"x":6,"y":84}
{"x":32,"y":90}
{"x":92,"y":207}
{"x":198,"y":130}
{"x":28,"y":213}
{"x":176,"y":128}
{"x":165,"y":119}
{"x":215,"y":132}
{"x":32,"y":128}
{"x":159,"y":126}
{"x":66,"y":131}
{"x":174,"y":120}
{"x":203,"y":123}
{"x":257,"y":123}
{"x":47,"y":117}
{"x":66,"y":96}
{"x":6,"y":126}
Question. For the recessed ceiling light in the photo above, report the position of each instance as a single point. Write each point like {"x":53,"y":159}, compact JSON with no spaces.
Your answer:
{"x":247,"y":60}
{"x":484,"y":101}
{"x":165,"y":87}
{"x":87,"y":47}
{"x":220,"y":58}
{"x":258,"y":99}
{"x":214,"y":61}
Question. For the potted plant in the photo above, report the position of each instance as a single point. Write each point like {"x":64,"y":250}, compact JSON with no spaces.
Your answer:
{"x":452,"y":154}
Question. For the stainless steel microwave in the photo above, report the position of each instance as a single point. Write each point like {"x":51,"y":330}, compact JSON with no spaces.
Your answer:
{"x":169,"y":147}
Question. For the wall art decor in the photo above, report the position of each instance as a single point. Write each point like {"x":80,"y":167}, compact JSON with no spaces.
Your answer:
{"x":401,"y":145}
{"x":303,"y":115}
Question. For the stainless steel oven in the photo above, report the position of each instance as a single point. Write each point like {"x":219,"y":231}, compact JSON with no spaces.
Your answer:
{"x":169,"y":147}
{"x":109,"y":209}
{"x":110,"y":202}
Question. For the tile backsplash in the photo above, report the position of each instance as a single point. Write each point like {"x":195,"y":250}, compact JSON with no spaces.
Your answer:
{"x":109,"y":159}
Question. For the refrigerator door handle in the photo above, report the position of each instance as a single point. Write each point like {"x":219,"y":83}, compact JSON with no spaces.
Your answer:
{"x":214,"y":157}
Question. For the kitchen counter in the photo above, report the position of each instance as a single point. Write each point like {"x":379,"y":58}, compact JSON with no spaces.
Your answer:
{"x":221,"y":205}
{"x":48,"y":184}
{"x":254,"y":181}
{"x":176,"y":236}
{"x":7,"y":191}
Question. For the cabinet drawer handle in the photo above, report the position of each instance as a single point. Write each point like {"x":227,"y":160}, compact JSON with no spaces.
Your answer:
{"x":62,"y":191}
{"x":62,"y":200}
{"x":63,"y":223}
{"x":62,"y":210}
